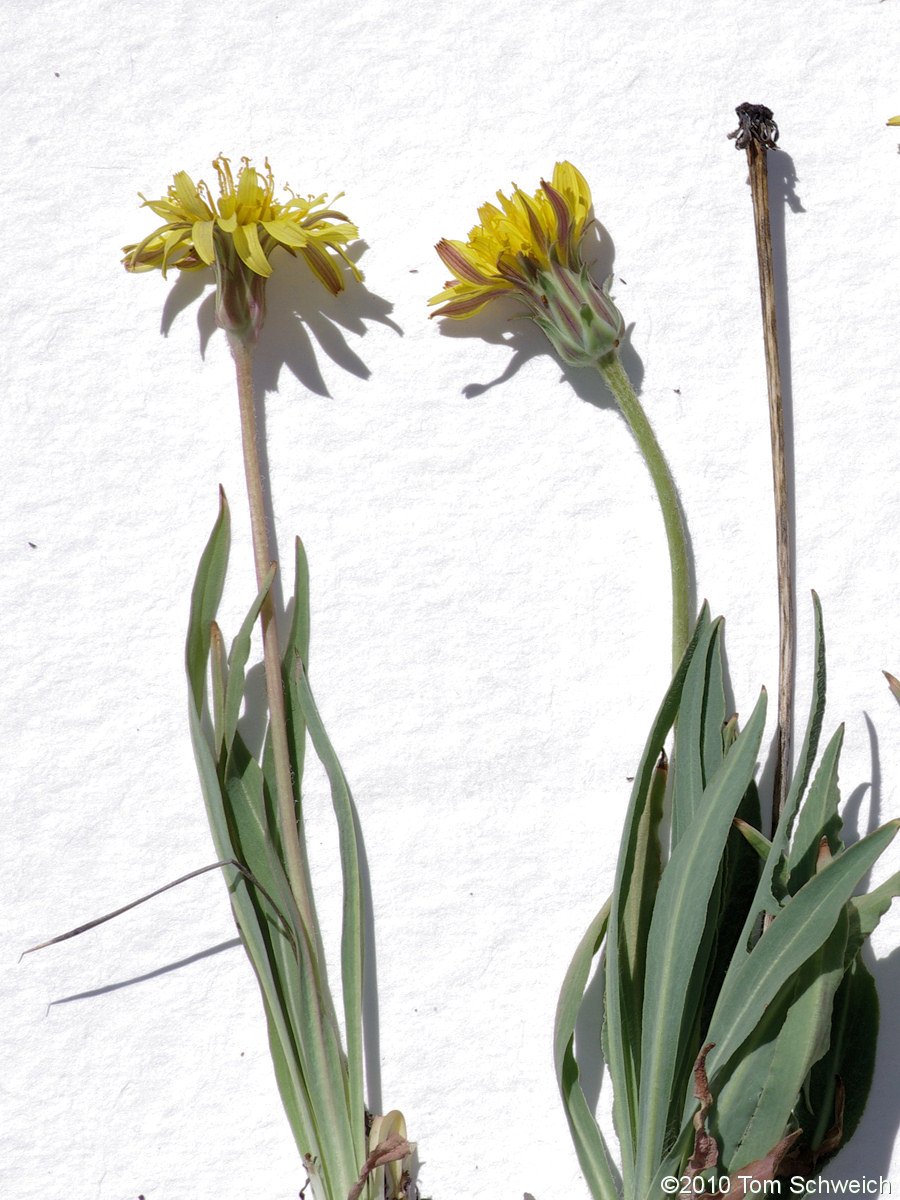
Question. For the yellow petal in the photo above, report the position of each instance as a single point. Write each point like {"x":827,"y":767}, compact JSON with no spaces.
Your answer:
{"x":246,"y":242}
{"x":465,"y":303}
{"x":227,"y":222}
{"x":204,"y":244}
{"x":173,"y":240}
{"x":165,"y":209}
{"x":323,"y":268}
{"x":250,"y":196}
{"x":286,"y":231}
{"x":349,"y":261}
{"x":570,"y":181}
{"x":466,"y":266}
{"x":189,"y":198}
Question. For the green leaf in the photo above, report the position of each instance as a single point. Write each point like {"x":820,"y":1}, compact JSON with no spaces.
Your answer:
{"x":735,"y":889}
{"x":219,"y":672}
{"x":798,"y":931}
{"x":646,"y":873}
{"x":777,"y":882}
{"x":816,"y":715}
{"x":590,"y":1145}
{"x":273,"y":940}
{"x":754,"y":1106}
{"x":850,"y":1057}
{"x":868,"y":910}
{"x":351,"y":928}
{"x":760,"y":844}
{"x":623,"y":1019}
{"x":818,"y":818}
{"x":677,"y":930}
{"x":698,"y":738}
{"x":237,"y":662}
{"x":205,"y":597}
{"x":297,"y":646}
{"x":298,"y":637}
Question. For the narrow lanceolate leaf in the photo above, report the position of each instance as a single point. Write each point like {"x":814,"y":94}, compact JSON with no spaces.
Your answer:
{"x":351,"y":929}
{"x":205,"y":599}
{"x":623,"y":1019}
{"x":219,"y":673}
{"x":715,"y":724}
{"x":760,"y":844}
{"x":637,"y":914}
{"x":732,"y":896}
{"x":297,"y":646}
{"x":590,"y":1146}
{"x":678,"y":928}
{"x":817,"y":706}
{"x":818,"y":818}
{"x":698,"y":739}
{"x":811,"y":739}
{"x":298,"y":637}
{"x":800,"y":928}
{"x":237,"y":662}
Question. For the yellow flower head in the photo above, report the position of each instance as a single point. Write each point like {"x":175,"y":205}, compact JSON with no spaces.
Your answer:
{"x":247,"y":215}
{"x":531,"y":247}
{"x":524,"y":233}
{"x":237,"y":232}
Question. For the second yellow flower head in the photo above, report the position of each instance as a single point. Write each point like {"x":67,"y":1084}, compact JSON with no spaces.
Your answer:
{"x":531,"y":247}
{"x":540,"y":229}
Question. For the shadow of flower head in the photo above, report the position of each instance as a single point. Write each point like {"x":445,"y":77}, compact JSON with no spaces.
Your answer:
{"x":301,"y":316}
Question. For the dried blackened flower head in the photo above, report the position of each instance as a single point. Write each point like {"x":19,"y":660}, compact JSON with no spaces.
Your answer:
{"x":757,"y":124}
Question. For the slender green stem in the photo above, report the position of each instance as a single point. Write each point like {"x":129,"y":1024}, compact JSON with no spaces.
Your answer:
{"x":620,"y":386}
{"x":287,"y":814}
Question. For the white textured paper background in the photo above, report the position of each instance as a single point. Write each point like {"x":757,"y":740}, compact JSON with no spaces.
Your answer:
{"x":489,"y":574}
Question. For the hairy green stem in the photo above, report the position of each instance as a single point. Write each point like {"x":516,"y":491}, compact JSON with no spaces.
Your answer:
{"x":620,"y":386}
{"x":287,"y":813}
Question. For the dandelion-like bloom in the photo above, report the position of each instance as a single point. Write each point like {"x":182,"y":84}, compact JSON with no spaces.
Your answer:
{"x":531,"y":247}
{"x":236,"y":234}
